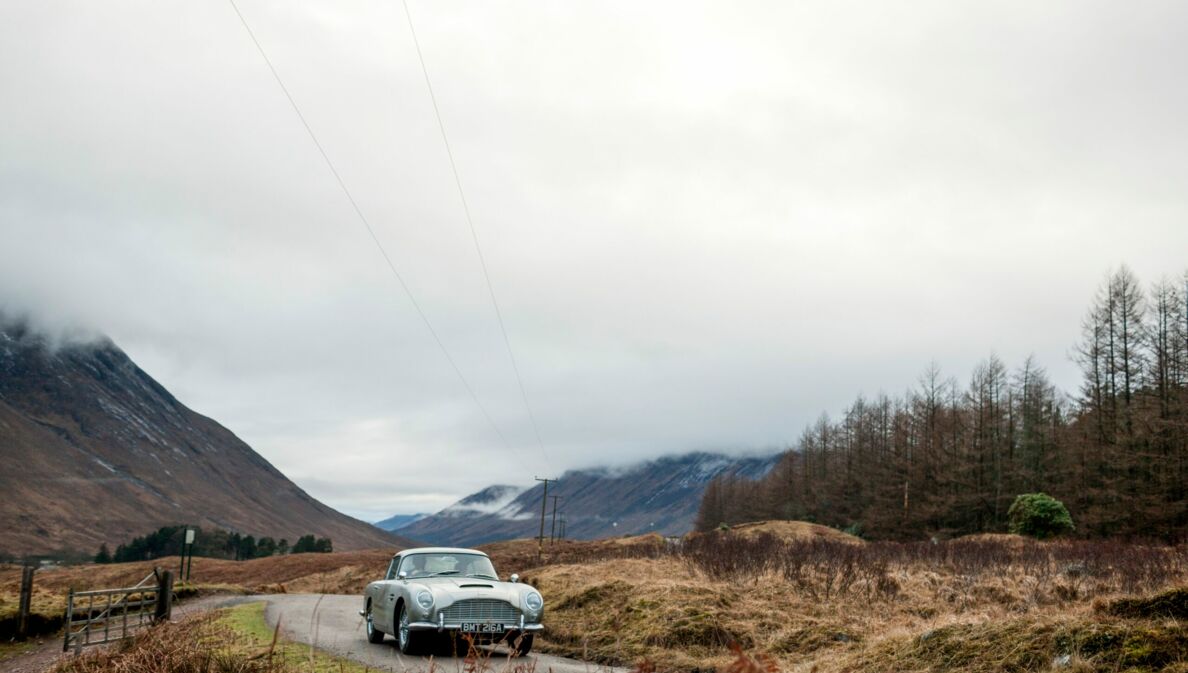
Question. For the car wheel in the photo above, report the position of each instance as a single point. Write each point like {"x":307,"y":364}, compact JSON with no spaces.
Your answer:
{"x":374,"y":635}
{"x":410,"y":642}
{"x":522,"y":645}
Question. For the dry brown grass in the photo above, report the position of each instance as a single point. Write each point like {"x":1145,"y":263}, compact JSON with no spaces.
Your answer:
{"x":516,"y":556}
{"x":793,"y":530}
{"x":809,"y":600}
{"x":977,"y":605}
{"x":667,"y":612}
{"x":201,"y":645}
{"x":233,"y":640}
{"x":1029,"y":643}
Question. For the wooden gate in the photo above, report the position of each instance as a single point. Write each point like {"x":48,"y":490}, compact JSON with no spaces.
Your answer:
{"x":106,"y":615}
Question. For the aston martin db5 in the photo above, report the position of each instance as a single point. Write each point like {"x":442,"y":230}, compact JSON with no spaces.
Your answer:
{"x":435,"y":595}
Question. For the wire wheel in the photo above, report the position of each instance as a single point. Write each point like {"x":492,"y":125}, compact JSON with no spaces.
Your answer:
{"x":404,"y":635}
{"x":374,"y":635}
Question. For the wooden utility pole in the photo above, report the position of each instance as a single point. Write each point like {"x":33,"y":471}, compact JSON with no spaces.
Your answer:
{"x":553,"y":528}
{"x":543,"y":502}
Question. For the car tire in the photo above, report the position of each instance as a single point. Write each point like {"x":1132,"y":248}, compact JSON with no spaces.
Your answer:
{"x":374,"y":635}
{"x":409,"y":641}
{"x":522,"y":645}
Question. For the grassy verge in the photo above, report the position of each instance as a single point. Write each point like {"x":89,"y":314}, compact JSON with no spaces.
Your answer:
{"x":253,"y":636}
{"x":16,"y":649}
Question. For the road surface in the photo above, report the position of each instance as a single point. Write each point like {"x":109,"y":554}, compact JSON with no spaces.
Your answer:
{"x":332,"y":623}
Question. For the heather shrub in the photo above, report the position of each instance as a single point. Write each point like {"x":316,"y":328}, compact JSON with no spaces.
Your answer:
{"x":1039,"y":515}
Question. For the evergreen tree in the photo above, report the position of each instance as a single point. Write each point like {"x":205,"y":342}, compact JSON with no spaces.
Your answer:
{"x":304,"y":544}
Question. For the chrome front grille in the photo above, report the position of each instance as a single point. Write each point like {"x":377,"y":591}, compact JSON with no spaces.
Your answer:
{"x":481,"y":610}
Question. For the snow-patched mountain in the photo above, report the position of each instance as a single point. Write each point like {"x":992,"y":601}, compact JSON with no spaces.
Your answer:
{"x":93,"y":450}
{"x":661,"y":495}
{"x":495,"y":500}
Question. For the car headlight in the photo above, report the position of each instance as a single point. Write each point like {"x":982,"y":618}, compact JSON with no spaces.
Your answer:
{"x":533,"y":601}
{"x":425,"y":600}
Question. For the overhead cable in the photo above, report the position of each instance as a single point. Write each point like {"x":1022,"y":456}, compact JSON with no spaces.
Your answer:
{"x":371,"y":231}
{"x":474,"y":235}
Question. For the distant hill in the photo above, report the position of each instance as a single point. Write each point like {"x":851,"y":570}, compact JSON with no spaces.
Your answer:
{"x":95,"y":451}
{"x":398,"y":521}
{"x":658,"y":496}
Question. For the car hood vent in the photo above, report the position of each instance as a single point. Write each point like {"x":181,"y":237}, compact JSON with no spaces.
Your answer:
{"x":476,"y":586}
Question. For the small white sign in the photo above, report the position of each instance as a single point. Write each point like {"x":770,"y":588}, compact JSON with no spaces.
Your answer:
{"x":189,"y":536}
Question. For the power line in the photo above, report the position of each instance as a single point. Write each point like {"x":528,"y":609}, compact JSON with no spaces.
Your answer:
{"x":474,"y":234}
{"x":367,"y":224}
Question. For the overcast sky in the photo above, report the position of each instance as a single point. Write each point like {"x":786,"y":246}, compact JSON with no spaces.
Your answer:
{"x":706,"y":223}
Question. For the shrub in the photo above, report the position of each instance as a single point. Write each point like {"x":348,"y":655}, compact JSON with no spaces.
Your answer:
{"x":1039,"y":515}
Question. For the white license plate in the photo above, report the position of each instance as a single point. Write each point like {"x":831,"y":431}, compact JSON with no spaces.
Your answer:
{"x":481,"y":627}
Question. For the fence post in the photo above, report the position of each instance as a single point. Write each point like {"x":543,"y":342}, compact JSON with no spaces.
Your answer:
{"x":26,"y":599}
{"x":69,"y":619}
{"x":164,"y":596}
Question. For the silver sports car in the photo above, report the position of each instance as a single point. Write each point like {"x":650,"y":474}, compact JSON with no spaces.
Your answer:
{"x":434,"y":594}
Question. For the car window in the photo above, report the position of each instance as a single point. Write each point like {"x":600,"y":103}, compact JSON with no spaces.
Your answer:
{"x":412,"y":566}
{"x":445,"y":564}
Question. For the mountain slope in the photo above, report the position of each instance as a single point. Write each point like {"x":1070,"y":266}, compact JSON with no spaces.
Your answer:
{"x":661,"y":496}
{"x":94,"y":450}
{"x":398,"y":521}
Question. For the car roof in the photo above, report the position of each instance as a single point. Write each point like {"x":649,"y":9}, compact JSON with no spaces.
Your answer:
{"x":438,"y":550}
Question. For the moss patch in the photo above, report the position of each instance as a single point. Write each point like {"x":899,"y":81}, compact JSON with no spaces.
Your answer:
{"x":810,"y":638}
{"x":1171,"y":604}
{"x":10,"y":650}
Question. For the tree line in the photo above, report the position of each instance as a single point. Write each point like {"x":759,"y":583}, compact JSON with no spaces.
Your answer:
{"x":948,"y":459}
{"x":168,"y":541}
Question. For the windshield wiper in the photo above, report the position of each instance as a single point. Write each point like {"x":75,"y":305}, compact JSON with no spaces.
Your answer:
{"x":444,"y":572}
{"x":486,"y":577}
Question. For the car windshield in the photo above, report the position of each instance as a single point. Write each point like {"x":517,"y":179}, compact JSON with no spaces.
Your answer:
{"x":444,"y":564}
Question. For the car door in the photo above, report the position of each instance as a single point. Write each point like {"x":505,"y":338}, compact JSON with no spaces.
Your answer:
{"x":385,"y":599}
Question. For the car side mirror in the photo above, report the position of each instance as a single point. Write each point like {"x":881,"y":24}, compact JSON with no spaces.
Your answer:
{"x":514,"y":578}
{"x":403,"y":575}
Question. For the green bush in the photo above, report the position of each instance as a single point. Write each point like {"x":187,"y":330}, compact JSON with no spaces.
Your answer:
{"x":1039,"y":515}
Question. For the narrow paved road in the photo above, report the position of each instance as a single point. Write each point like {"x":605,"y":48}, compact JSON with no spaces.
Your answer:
{"x":332,"y":623}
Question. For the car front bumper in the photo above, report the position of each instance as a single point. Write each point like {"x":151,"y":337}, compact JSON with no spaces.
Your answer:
{"x":441,"y":625}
